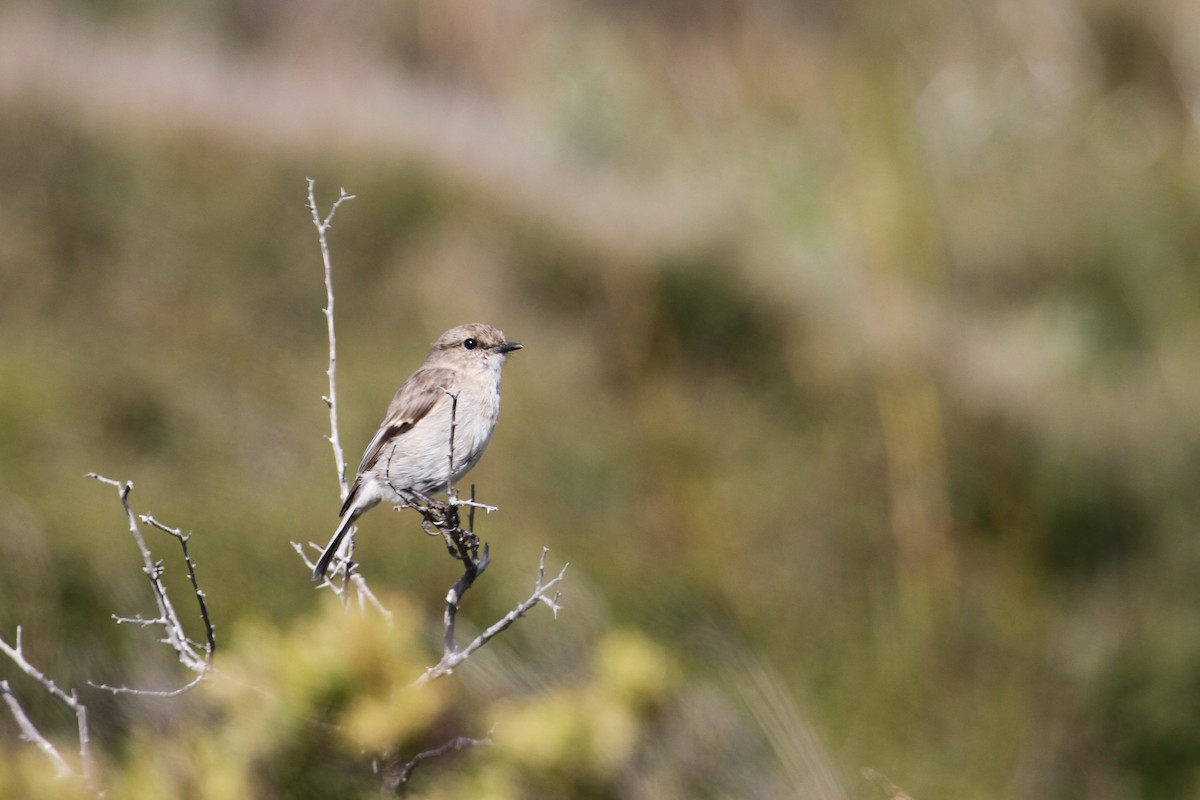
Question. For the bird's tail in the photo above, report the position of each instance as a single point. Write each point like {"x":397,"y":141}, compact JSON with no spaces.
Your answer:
{"x":348,"y":519}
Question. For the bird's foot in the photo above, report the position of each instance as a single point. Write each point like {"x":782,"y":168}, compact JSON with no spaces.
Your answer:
{"x":456,"y":501}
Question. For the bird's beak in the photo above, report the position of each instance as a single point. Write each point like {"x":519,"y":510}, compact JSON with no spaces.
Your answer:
{"x":508,"y":347}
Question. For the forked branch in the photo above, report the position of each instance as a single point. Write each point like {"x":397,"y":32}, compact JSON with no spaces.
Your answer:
{"x":348,"y":568}
{"x":323,"y":225}
{"x":344,"y":566}
{"x":194,"y":655}
{"x":452,"y":656}
{"x":29,"y":732}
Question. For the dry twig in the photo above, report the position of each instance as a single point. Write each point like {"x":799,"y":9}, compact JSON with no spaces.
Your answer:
{"x":345,"y":565}
{"x":323,"y":226}
{"x":193,"y":655}
{"x":451,"y":655}
{"x":396,"y":781}
{"x":365,"y":596}
{"x":29,"y":732}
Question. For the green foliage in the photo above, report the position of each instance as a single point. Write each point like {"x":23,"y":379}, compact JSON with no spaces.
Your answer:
{"x":295,"y":714}
{"x":311,"y":711}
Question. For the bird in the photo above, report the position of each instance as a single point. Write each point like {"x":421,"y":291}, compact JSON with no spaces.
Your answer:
{"x":409,"y":456}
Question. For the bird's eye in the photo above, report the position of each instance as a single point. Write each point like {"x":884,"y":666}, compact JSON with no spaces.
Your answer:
{"x":471,"y":344}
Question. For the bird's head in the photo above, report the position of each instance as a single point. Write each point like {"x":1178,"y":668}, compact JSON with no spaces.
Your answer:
{"x":474,"y":346}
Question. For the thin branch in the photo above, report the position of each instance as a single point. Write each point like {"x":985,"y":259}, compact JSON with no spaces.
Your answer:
{"x":187,"y":687}
{"x":363,"y":592}
{"x":346,"y":565}
{"x":210,"y":633}
{"x":453,"y":427}
{"x":323,"y":226}
{"x":29,"y":731}
{"x":16,"y":654}
{"x":454,"y":597}
{"x":452,"y":657}
{"x":124,"y":489}
{"x":467,"y":547}
{"x":451,"y":491}
{"x":192,"y":655}
{"x":397,"y":784}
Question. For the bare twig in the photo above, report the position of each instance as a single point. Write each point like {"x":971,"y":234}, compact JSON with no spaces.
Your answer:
{"x":16,"y":654}
{"x":343,"y":565}
{"x":443,"y":519}
{"x":193,"y":655}
{"x":450,"y":490}
{"x":323,"y":226}
{"x":397,"y":783}
{"x":187,"y":687}
{"x":452,"y":657}
{"x":210,"y":634}
{"x":365,"y":596}
{"x":29,"y":731}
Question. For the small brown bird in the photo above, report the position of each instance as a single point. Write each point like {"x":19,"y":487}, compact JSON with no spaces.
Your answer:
{"x":410,"y":453}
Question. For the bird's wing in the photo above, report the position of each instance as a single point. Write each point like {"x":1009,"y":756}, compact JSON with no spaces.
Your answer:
{"x":415,"y":399}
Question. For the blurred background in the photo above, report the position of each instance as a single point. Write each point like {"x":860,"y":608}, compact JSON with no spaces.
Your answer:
{"x":860,"y":388}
